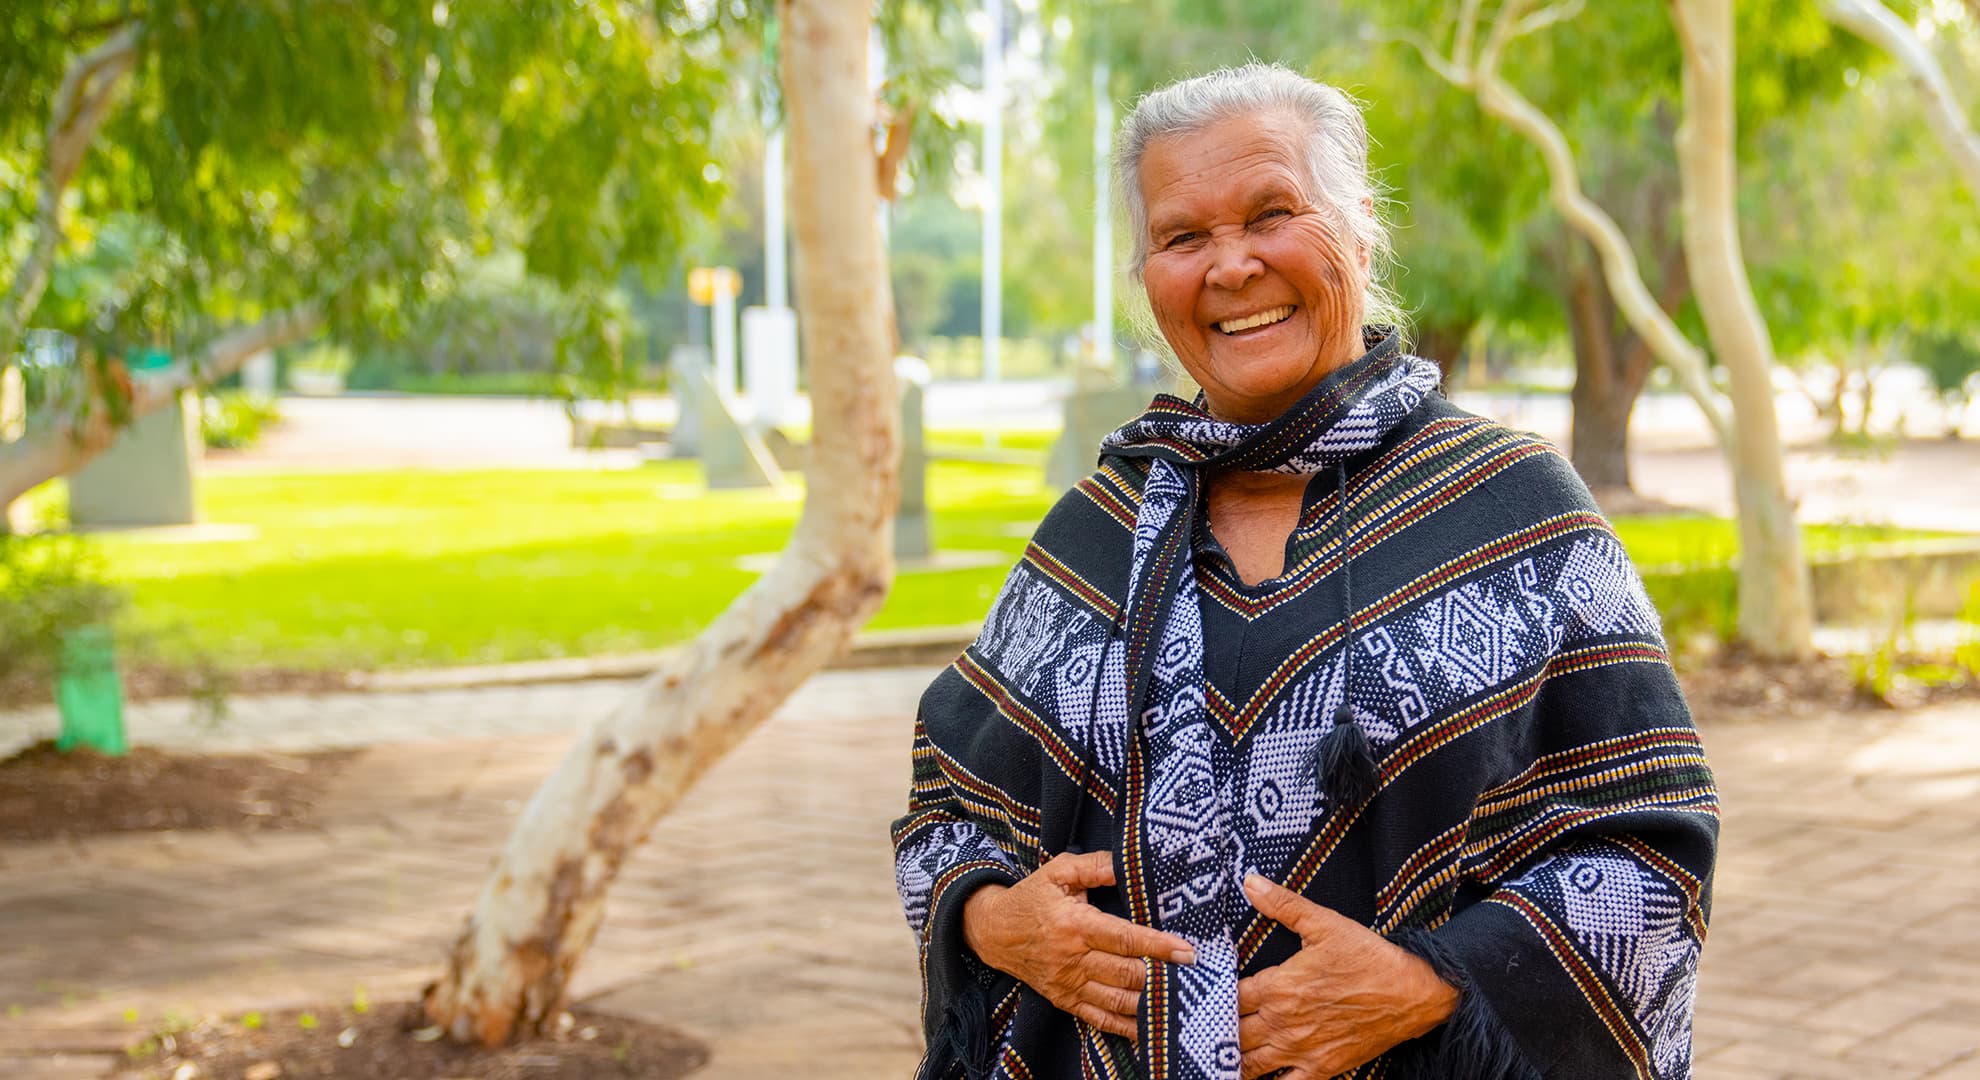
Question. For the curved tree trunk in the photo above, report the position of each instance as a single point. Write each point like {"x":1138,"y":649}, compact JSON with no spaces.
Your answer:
{"x":1776,"y":614}
{"x":58,"y":451}
{"x":510,"y":970}
{"x":1775,"y":607}
{"x":1875,"y":23}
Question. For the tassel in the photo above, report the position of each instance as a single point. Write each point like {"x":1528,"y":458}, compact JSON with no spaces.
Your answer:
{"x":1343,"y":761}
{"x":963,"y":1042}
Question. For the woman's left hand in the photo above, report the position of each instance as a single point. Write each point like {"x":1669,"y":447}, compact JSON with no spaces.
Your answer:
{"x":1347,"y":996}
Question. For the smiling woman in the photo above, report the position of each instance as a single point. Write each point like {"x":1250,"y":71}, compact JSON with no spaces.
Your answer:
{"x":1325,"y":728}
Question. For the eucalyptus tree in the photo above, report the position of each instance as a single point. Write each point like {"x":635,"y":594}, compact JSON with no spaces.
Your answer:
{"x":1775,"y":615}
{"x":510,"y":969}
{"x":301,"y":172}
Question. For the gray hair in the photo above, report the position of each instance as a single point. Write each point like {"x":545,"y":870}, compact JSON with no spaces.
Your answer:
{"x":1335,"y":138}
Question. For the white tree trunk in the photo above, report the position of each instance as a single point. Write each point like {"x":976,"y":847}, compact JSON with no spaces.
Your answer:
{"x":60,"y":450}
{"x":1565,"y":191}
{"x":78,"y":111}
{"x":1776,"y":613}
{"x":1775,"y":616}
{"x":1875,"y":23}
{"x":510,"y":970}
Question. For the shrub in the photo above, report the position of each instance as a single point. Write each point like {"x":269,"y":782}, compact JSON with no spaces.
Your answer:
{"x":233,"y":420}
{"x":49,"y":587}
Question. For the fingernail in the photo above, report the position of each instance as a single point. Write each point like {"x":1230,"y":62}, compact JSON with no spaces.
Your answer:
{"x":1185,"y":957}
{"x":1254,"y":883}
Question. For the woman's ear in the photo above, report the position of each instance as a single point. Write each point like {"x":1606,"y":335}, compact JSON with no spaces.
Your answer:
{"x":1362,"y":254}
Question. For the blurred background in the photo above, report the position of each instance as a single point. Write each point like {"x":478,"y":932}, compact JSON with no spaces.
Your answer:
{"x":357,"y":355}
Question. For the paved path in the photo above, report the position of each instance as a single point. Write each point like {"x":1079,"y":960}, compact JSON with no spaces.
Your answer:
{"x":761,"y":916}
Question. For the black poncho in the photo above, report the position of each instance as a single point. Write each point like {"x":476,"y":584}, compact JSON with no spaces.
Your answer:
{"x":1523,"y":801}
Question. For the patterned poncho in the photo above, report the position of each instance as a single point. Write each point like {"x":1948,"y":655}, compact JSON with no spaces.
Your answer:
{"x":1450,"y":718}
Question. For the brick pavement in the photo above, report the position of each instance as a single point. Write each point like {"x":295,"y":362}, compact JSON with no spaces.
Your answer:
{"x":760,"y":915}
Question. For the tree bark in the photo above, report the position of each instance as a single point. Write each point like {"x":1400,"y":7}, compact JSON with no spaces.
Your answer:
{"x":510,"y":970}
{"x":1875,"y":23}
{"x":78,"y":111}
{"x":1776,"y":614}
{"x":1611,"y":365}
{"x":1602,"y":400}
{"x":1444,"y":344}
{"x":62,"y":449}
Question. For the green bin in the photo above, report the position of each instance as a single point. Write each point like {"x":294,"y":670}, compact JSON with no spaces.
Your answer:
{"x":90,"y":693}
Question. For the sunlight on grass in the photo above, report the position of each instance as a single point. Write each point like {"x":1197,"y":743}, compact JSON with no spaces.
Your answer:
{"x":417,"y":568}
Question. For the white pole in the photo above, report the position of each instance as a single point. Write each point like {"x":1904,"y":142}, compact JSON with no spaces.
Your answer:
{"x":993,"y":200}
{"x":776,"y":273}
{"x":1103,"y":220}
{"x":723,"y":340}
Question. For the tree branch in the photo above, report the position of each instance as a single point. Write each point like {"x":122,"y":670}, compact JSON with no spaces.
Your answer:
{"x":1499,"y":98}
{"x":1876,"y":24}
{"x":63,"y":448}
{"x":1547,"y":16}
{"x":1450,"y":72}
{"x":78,"y":110}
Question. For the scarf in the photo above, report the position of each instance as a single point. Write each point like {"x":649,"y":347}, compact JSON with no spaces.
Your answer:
{"x":1182,"y":855}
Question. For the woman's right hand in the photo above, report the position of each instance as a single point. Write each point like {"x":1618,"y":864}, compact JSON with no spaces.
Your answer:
{"x":1083,"y":960}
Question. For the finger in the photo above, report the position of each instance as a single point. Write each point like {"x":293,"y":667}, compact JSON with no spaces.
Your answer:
{"x":1263,"y":1061}
{"x":1088,"y":870}
{"x":1287,"y":908}
{"x":1112,"y":998}
{"x":1109,"y":1022}
{"x":1253,"y":1032}
{"x":1252,"y":992}
{"x":1109,"y":933}
{"x":1121,"y":971}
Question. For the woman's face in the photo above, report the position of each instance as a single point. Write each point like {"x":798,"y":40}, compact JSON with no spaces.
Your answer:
{"x":1255,"y":285}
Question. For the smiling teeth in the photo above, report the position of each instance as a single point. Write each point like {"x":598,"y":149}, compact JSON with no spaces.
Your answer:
{"x":1263,"y":318}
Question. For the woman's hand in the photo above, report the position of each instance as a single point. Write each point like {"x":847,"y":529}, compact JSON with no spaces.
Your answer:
{"x":1084,"y":961}
{"x":1346,"y":997}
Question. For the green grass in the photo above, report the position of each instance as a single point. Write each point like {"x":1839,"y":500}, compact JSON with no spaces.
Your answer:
{"x":420,"y":568}
{"x":412,"y":568}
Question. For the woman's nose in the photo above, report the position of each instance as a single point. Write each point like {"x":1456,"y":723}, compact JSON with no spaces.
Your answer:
{"x":1232,"y":264}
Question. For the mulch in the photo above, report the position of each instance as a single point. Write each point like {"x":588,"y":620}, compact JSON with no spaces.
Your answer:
{"x":46,"y":794}
{"x":388,"y":1043}
{"x":1735,"y":686}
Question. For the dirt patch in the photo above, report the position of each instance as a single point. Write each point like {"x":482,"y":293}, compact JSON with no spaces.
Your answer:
{"x":388,"y":1044}
{"x":144,"y":682}
{"x":46,"y":794}
{"x":1735,"y":686}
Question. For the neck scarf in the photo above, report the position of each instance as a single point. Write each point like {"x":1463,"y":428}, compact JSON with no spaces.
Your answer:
{"x":1181,"y":857}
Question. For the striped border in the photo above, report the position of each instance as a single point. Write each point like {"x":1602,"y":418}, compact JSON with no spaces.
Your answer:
{"x":1622,"y":1027}
{"x":1533,"y":536}
{"x":1041,"y":730}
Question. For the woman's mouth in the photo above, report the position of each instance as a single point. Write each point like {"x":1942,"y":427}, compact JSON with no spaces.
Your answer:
{"x":1253,"y":322}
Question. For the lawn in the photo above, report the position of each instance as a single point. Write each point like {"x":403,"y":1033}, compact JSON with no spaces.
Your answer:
{"x":417,"y":568}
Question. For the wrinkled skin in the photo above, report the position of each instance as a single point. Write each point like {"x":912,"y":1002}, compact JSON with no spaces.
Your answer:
{"x":1083,"y":960}
{"x":1346,"y":997}
{"x":1234,"y":231}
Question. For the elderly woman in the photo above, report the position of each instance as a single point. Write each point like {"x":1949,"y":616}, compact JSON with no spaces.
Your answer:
{"x":1326,"y":728}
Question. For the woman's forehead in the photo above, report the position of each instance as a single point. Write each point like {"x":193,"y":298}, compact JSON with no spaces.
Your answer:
{"x":1238,"y":158}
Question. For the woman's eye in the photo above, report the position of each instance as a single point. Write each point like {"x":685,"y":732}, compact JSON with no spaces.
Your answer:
{"x":1275,"y":212}
{"x":1180,"y":239}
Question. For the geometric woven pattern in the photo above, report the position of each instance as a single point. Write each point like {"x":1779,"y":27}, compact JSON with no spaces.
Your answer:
{"x":1540,"y":792}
